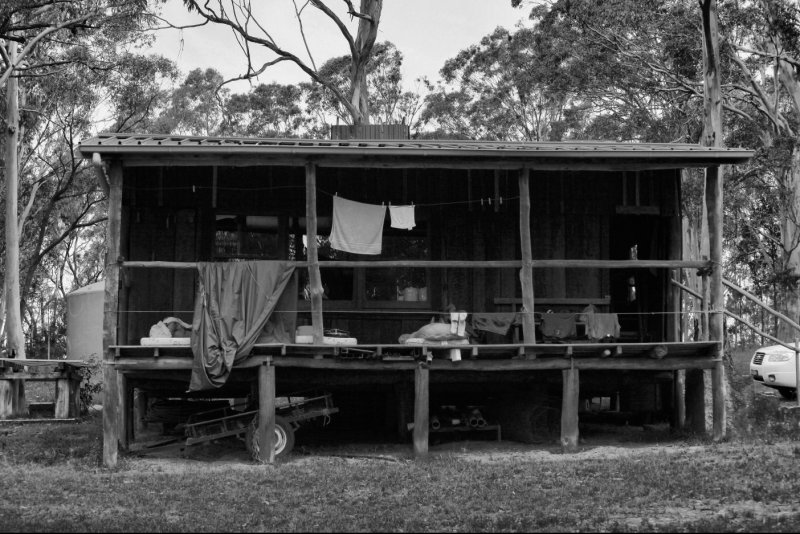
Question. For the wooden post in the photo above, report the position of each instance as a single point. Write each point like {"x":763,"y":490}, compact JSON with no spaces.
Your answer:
{"x":421,"y":409}
{"x":124,"y":415}
{"x":110,"y":396}
{"x":695,"y":391}
{"x":7,"y":392}
{"x":266,"y":412}
{"x":679,"y":398}
{"x":716,"y":297}
{"x":695,"y":401}
{"x":704,"y":306}
{"x":526,"y":273}
{"x":62,"y":399}
{"x":314,"y":277}
{"x":139,"y":412}
{"x":569,"y":409}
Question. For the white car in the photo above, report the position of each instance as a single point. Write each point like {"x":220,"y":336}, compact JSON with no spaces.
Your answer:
{"x":775,"y":367}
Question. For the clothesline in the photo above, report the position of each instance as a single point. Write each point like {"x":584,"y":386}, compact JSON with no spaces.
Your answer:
{"x":430,"y":313}
{"x":484,"y":201}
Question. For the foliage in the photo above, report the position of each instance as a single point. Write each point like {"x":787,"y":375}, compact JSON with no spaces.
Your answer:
{"x":268,"y":110}
{"x":388,"y":103}
{"x":72,"y":63}
{"x":196,"y":106}
{"x":253,"y":34}
{"x":91,"y":383}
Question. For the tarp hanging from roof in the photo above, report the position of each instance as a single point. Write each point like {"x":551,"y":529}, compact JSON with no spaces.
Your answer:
{"x":238,"y":304}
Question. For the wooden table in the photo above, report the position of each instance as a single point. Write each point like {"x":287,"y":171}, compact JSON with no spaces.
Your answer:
{"x":62,"y":372}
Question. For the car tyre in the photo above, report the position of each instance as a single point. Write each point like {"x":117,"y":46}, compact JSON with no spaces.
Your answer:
{"x":787,"y":393}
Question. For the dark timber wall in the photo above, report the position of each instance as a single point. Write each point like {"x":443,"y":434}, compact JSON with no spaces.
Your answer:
{"x":169,"y":214}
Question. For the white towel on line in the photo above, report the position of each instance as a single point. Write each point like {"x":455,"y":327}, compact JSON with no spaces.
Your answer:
{"x":402,"y":217}
{"x":357,"y":227}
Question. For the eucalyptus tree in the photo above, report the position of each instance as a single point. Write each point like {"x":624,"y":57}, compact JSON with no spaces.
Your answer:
{"x":196,"y":106}
{"x":268,"y":110}
{"x":254,"y":33}
{"x":39,"y":38}
{"x":765,"y":49}
{"x":387,"y":101}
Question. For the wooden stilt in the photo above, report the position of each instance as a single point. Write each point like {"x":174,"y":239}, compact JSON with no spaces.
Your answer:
{"x":125,"y":406}
{"x":421,"y":410}
{"x":314,"y":277}
{"x":110,"y":395}
{"x":7,"y":393}
{"x":695,"y":401}
{"x":526,"y":273}
{"x":716,"y":296}
{"x":110,"y":416}
{"x":569,"y":409}
{"x":62,"y":399}
{"x":679,"y":399}
{"x":139,"y":412}
{"x":266,"y":412}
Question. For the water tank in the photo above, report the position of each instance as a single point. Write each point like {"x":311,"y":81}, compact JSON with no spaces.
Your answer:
{"x":85,"y":322}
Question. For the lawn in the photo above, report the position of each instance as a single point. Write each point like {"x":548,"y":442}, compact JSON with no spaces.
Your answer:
{"x":52,"y":481}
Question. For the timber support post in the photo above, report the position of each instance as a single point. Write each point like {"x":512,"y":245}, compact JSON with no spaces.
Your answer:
{"x":421,"y":409}
{"x":526,"y":272}
{"x":716,"y":297}
{"x":570,"y":403}
{"x":110,"y":394}
{"x":266,"y":412}
{"x":314,"y":277}
{"x":125,"y":408}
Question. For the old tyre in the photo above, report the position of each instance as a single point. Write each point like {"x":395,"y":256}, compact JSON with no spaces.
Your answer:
{"x":787,"y":393}
{"x":284,"y":438}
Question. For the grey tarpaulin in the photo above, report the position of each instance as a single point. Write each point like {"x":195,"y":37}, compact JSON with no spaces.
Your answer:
{"x":233,"y":310}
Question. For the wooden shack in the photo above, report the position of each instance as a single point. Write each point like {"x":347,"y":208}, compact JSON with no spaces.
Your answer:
{"x":525,"y":238}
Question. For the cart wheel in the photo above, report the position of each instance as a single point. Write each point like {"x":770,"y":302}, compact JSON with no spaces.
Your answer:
{"x":284,"y":438}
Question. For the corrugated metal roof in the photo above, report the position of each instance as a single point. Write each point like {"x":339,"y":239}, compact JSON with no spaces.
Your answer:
{"x":139,"y":145}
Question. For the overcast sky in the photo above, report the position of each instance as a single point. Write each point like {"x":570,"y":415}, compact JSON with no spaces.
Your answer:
{"x":427,"y":32}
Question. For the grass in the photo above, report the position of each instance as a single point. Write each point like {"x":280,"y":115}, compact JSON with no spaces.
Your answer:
{"x":53,"y":481}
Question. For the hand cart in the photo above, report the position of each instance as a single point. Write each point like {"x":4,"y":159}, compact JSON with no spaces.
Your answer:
{"x":290,"y":412}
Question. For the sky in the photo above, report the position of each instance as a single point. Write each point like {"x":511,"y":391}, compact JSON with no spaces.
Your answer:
{"x":427,"y":32}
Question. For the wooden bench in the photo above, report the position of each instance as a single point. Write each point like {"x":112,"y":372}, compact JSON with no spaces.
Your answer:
{"x":62,"y":372}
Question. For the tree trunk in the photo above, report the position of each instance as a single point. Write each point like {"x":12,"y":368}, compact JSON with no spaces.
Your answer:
{"x":791,"y":246}
{"x":790,"y":293}
{"x":713,"y":192}
{"x":15,"y":338}
{"x":362,"y":50}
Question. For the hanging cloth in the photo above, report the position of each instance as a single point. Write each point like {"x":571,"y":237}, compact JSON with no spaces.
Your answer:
{"x":402,"y":217}
{"x":558,"y":325}
{"x":357,"y":227}
{"x":237,"y":305}
{"x":499,"y":323}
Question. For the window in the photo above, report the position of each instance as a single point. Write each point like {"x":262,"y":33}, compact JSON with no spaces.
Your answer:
{"x":374,"y":287}
{"x":265,"y":237}
{"x":249,"y":237}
